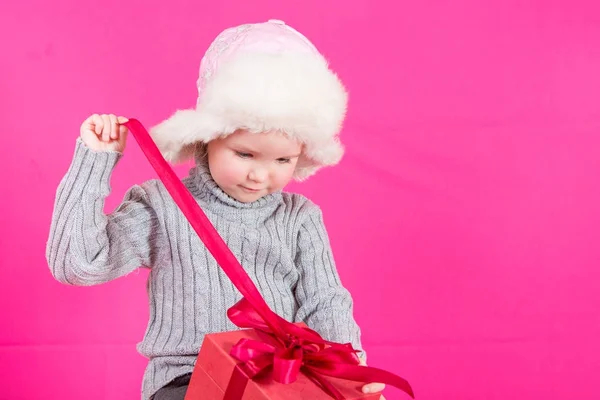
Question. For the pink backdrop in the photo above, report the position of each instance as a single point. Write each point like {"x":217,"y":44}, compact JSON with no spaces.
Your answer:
{"x":464,"y":217}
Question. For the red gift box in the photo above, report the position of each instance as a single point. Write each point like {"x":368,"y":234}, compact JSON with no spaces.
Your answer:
{"x":215,"y":367}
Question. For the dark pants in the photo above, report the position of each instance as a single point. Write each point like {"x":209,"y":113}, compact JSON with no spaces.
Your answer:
{"x":175,"y":390}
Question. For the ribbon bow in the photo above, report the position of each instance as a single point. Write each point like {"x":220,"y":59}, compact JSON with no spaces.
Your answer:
{"x":294,"y":348}
{"x":299,"y":350}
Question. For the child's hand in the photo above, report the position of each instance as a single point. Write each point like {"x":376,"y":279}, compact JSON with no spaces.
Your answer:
{"x":372,"y":387}
{"x":104,"y":132}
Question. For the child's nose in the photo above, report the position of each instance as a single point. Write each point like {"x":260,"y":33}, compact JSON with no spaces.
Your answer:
{"x":258,"y":174}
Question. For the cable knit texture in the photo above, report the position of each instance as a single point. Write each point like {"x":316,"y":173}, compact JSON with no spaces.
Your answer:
{"x":280,"y":240}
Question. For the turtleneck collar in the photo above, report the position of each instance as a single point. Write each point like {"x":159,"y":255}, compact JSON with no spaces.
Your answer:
{"x":203,"y":187}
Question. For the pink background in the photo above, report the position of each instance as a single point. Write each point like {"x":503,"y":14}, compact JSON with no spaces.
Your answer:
{"x":464,"y":217}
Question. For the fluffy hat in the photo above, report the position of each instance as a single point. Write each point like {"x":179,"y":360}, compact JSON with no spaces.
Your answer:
{"x":262,"y":77}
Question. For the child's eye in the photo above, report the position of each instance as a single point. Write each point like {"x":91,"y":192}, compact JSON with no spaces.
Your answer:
{"x":283,"y":160}
{"x":243,"y":155}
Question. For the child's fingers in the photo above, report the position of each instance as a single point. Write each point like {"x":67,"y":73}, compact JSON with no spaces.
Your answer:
{"x":122,"y":128}
{"x":89,"y":124}
{"x":89,"y":121}
{"x":373,"y":387}
{"x":114,"y":127}
{"x":97,"y":124}
{"x":122,"y":131}
{"x":106,"y":128}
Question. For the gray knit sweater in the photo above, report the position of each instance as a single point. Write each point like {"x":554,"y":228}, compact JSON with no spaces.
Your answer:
{"x":280,"y":240}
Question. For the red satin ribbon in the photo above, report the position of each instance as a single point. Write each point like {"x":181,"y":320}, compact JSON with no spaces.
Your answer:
{"x":295,"y":349}
{"x":288,"y":355}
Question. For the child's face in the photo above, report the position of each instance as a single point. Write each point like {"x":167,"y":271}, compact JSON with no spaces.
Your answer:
{"x":248,"y":166}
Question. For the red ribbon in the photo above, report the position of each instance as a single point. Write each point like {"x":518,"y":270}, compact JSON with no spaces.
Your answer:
{"x":290,"y":354}
{"x":295,"y":349}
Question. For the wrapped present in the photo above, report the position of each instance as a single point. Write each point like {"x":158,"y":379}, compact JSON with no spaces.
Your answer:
{"x":274,"y":359}
{"x":288,"y":361}
{"x":215,"y":371}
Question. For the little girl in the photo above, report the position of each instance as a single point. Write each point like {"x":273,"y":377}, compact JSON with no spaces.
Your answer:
{"x":269,"y":110}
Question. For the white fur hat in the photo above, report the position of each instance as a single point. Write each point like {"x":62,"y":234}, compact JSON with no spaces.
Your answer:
{"x":262,"y":77}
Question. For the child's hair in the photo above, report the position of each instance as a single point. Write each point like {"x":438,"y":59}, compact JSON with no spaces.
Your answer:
{"x":201,"y":150}
{"x":262,"y":77}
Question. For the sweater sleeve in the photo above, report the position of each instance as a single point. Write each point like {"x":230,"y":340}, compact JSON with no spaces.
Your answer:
{"x":325,"y":305}
{"x":87,"y":247}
